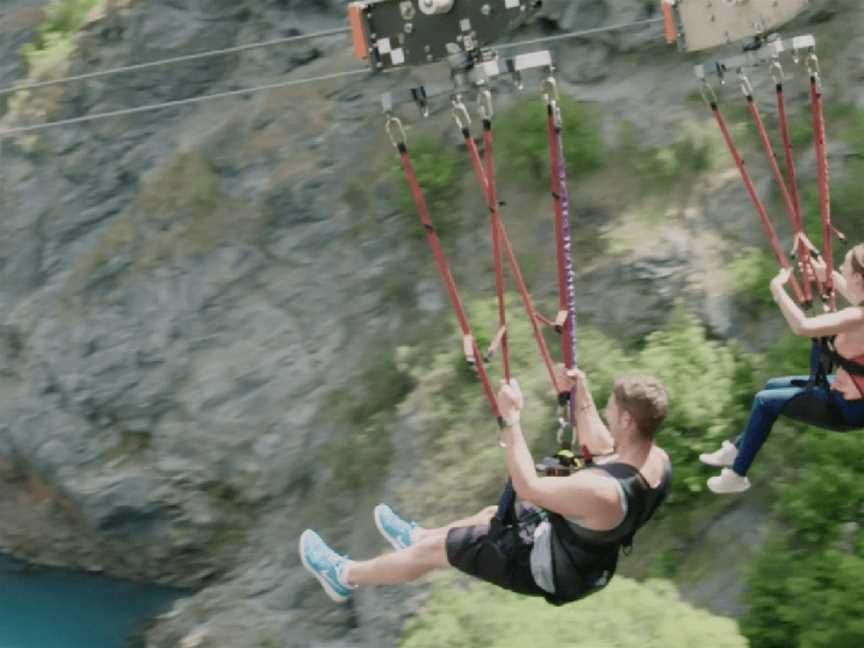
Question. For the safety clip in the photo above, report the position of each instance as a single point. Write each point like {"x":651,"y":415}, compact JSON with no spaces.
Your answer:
{"x":776,"y":69}
{"x":515,"y":74}
{"x":484,"y":102}
{"x":421,"y":100}
{"x":708,"y":94}
{"x":551,"y":92}
{"x":395,"y":131}
{"x":460,"y":112}
{"x":813,"y":69}
{"x":744,"y":83}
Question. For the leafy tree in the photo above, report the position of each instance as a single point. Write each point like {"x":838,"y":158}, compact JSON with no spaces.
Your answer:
{"x":807,"y":585}
{"x":709,"y":385}
{"x":751,"y":271}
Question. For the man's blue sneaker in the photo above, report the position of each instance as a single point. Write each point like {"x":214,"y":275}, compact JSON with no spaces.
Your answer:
{"x":396,"y":530}
{"x":326,"y":565}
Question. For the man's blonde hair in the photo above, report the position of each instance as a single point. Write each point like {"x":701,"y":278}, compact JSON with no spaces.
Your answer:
{"x":645,"y":399}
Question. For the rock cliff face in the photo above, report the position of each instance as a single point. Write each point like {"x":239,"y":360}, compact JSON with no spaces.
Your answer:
{"x":189,"y":296}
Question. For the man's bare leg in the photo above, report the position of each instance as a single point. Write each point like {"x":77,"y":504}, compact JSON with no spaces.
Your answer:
{"x":402,"y":566}
{"x":427,"y":553}
{"x":484,"y":516}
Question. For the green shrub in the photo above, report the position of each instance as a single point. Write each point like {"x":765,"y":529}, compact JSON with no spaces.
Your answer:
{"x":439,"y":168}
{"x":626,"y":614}
{"x":806,"y":587}
{"x":522,"y":141}
{"x":788,"y":356}
{"x":55,"y":37}
{"x":709,"y":385}
{"x":847,"y":196}
{"x":847,"y":191}
{"x":660,"y":168}
{"x":751,"y":272}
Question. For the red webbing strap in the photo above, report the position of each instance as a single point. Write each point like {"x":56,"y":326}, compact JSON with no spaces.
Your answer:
{"x":788,"y":156}
{"x":754,"y":197}
{"x":446,"y":276}
{"x":511,"y":257}
{"x":529,"y":306}
{"x":546,"y":321}
{"x":480,"y":172}
{"x":495,"y":217}
{"x":557,"y":324}
{"x":824,"y":192}
{"x":803,"y":246}
{"x":791,"y":209}
{"x":802,"y":249}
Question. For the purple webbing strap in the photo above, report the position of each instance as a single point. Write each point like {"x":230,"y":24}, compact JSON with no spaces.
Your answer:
{"x":572,"y":358}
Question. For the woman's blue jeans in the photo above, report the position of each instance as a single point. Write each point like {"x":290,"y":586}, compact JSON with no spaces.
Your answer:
{"x":767,"y":407}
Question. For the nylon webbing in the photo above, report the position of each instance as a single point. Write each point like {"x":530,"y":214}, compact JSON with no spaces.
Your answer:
{"x":564,"y":249}
{"x":802,"y":249}
{"x":824,"y":192}
{"x":495,"y":217}
{"x":754,"y":197}
{"x":504,"y":241}
{"x":446,"y":276}
{"x":805,"y":298}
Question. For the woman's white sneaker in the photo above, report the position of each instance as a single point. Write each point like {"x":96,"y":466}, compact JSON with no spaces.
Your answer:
{"x":722,"y":458}
{"x":728,"y":482}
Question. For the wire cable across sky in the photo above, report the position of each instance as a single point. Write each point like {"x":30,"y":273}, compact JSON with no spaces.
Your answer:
{"x":174,"y":60}
{"x":259,"y":88}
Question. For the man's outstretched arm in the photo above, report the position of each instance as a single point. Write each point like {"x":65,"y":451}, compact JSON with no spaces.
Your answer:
{"x":592,"y":431}
{"x":578,"y":496}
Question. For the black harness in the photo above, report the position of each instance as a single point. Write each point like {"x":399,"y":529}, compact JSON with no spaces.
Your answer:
{"x":584,"y":561}
{"x":808,"y":407}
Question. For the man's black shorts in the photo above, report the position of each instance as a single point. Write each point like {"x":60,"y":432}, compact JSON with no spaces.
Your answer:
{"x":496,"y":554}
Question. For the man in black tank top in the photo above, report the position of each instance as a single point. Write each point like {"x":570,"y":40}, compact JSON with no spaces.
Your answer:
{"x":564,"y":539}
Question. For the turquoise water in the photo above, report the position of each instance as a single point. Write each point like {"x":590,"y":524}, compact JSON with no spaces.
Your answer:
{"x":49,"y":608}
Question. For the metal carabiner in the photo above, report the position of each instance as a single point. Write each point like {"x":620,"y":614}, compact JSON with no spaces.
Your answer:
{"x":813,"y":63}
{"x":814,"y":71}
{"x":518,"y":83}
{"x":394,"y":128}
{"x":708,"y":94}
{"x":484,"y":102}
{"x":777,"y":73}
{"x":557,"y":119}
{"x":421,"y":100}
{"x":744,"y":84}
{"x":460,"y":112}
{"x":550,"y":90}
{"x":563,"y":426}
